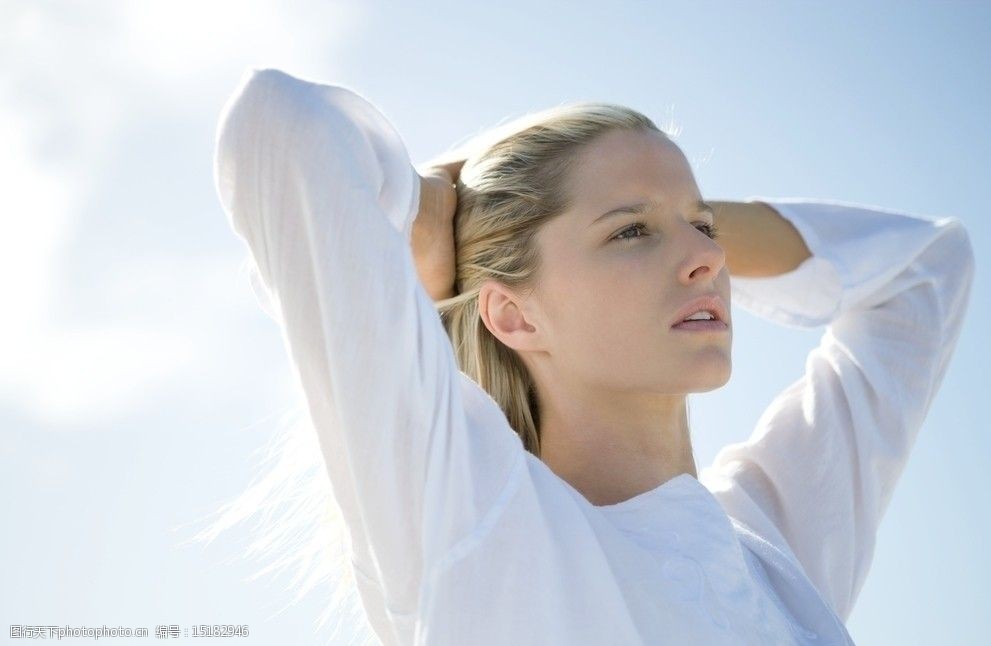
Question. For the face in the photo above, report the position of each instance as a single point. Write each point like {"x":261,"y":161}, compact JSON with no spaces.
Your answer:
{"x":610,"y":287}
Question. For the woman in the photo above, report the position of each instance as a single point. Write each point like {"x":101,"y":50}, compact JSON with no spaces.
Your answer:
{"x":519,"y":469}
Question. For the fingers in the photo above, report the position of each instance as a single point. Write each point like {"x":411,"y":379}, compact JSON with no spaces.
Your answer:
{"x":446,"y":164}
{"x":439,"y":171}
{"x":453,"y":169}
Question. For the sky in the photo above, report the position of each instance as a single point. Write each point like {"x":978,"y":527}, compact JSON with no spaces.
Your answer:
{"x":139,"y":377}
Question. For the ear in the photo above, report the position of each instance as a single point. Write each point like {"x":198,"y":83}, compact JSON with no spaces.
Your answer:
{"x":503,"y":312}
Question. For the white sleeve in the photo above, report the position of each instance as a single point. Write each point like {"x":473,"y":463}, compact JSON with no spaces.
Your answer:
{"x":319,"y":185}
{"x":820,"y":466}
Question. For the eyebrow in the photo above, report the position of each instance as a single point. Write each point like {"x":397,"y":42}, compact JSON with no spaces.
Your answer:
{"x":642,"y":207}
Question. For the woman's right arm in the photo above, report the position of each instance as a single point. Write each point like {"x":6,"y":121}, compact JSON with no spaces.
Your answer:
{"x":318,"y":184}
{"x":433,"y":233}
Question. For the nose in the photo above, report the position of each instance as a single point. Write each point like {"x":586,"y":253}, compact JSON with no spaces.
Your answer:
{"x":703,"y":257}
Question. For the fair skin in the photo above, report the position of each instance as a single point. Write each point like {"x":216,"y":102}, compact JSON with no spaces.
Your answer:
{"x":612,"y":377}
{"x":433,"y":230}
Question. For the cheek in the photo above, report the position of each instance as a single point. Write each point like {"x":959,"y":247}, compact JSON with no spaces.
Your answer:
{"x":614,"y":316}
{"x":612,"y":302}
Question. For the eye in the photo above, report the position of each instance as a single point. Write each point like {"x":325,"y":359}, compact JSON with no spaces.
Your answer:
{"x":708,"y":229}
{"x":636,"y":226}
{"x":711,"y":230}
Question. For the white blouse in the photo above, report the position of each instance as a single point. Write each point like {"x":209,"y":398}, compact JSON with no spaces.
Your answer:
{"x":459,"y":535}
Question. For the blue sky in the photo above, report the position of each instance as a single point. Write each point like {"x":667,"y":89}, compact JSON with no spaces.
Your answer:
{"x":136,"y":364}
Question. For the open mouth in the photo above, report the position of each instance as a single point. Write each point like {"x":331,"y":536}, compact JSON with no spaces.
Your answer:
{"x":706,"y":313}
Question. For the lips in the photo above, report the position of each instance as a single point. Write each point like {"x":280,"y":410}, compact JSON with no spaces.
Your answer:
{"x":711,"y":302}
{"x":702,"y":326}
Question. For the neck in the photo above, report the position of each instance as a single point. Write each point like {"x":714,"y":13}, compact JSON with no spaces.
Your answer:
{"x":615,"y":447}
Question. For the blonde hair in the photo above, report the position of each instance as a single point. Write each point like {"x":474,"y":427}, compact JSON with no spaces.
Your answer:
{"x":512,"y":182}
{"x":507,"y":189}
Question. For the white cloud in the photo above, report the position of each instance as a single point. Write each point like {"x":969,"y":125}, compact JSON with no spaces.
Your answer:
{"x":83,"y":72}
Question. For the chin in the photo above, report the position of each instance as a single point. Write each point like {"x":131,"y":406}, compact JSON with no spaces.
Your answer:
{"x":711,"y":379}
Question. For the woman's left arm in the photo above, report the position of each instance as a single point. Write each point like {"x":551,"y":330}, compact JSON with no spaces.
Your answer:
{"x":820,"y":467}
{"x":757,"y":240}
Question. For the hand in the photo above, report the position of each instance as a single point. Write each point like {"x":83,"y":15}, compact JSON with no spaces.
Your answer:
{"x":433,"y":229}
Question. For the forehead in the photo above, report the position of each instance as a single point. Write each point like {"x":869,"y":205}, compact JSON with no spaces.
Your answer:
{"x":621,"y":165}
